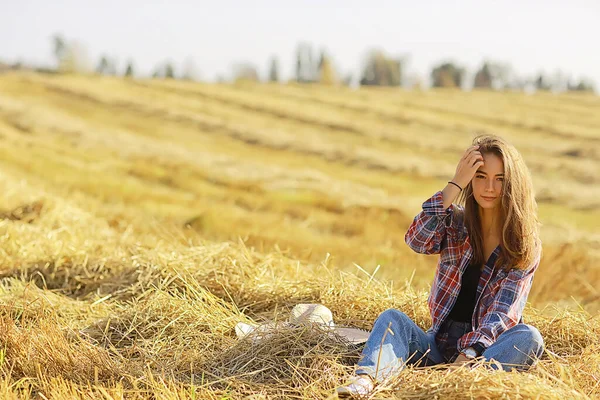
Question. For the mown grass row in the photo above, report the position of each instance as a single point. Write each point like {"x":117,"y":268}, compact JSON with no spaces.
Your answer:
{"x":225,"y":188}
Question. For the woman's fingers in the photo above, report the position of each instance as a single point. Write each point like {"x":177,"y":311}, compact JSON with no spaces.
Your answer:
{"x":478,"y":164}
{"x":469,"y":151}
{"x":474,"y":157}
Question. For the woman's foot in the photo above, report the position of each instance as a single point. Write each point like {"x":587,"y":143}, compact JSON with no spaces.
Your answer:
{"x":360,"y":385}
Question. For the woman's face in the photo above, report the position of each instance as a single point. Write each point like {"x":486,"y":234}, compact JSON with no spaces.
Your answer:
{"x":487,"y":182}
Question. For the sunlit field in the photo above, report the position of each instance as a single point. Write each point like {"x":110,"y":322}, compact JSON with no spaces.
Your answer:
{"x":140,"y":220}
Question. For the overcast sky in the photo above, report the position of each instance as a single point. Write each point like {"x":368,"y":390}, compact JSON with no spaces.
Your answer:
{"x":533,"y":36}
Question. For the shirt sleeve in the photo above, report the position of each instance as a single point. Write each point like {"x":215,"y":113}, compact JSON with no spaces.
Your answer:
{"x":479,"y":348}
{"x":506,"y":309}
{"x":430,"y":227}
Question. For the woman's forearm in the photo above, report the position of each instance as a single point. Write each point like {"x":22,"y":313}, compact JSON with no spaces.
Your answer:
{"x":449,"y":194}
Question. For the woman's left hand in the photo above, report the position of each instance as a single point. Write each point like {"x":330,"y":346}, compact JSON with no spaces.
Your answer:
{"x":461,"y":359}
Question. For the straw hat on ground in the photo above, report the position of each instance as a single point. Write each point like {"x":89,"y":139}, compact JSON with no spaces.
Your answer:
{"x":303,"y":315}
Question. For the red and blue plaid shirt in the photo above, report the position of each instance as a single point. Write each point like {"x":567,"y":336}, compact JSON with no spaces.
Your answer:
{"x":501,"y":295}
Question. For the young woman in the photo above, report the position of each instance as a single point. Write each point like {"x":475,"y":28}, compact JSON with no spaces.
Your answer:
{"x":489,"y":251}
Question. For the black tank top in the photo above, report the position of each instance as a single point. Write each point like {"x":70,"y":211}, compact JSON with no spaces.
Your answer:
{"x":465,"y":303}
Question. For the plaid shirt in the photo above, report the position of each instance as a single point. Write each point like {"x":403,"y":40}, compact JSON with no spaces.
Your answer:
{"x":501,"y":295}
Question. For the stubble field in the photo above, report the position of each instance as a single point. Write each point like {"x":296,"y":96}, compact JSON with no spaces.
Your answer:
{"x":140,"y":220}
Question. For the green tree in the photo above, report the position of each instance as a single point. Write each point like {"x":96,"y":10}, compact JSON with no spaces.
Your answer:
{"x":306,"y":70}
{"x":298,"y":66}
{"x":103,"y":67}
{"x":245,"y":72}
{"x":189,"y":71}
{"x":447,"y":75}
{"x":327,"y":74}
{"x":381,"y":70}
{"x":542,"y":82}
{"x":158,"y":72}
{"x":584,"y":85}
{"x":129,"y":70}
{"x":75,"y":59}
{"x":274,"y":70}
{"x":483,"y":77}
{"x":322,"y":58}
{"x":112,"y":68}
{"x":169,"y":71}
{"x":60,"y":49}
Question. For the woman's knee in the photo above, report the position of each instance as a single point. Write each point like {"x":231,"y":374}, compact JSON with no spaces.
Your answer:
{"x":517,"y":348}
{"x":530,"y":336}
{"x":393,"y":316}
{"x":392,"y":313}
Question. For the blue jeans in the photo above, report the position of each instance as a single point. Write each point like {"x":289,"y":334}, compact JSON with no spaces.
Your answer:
{"x":388,"y":350}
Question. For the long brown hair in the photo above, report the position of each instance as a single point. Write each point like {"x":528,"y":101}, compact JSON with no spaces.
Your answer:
{"x":520,"y":225}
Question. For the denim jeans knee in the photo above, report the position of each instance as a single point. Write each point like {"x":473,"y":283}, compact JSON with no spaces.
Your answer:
{"x":395,"y":341}
{"x":517,"y":348}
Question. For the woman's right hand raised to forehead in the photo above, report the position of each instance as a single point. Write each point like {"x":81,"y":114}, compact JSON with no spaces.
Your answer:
{"x":467,"y":166}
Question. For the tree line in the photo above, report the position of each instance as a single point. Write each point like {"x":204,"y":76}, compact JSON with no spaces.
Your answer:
{"x":310,"y":66}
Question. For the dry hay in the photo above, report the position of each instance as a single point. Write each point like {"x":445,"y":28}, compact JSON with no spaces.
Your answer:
{"x":98,"y":301}
{"x":26,"y":212}
{"x":176,"y":327}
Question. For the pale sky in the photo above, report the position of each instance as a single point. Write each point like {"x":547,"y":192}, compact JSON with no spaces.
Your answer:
{"x":533,"y":36}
